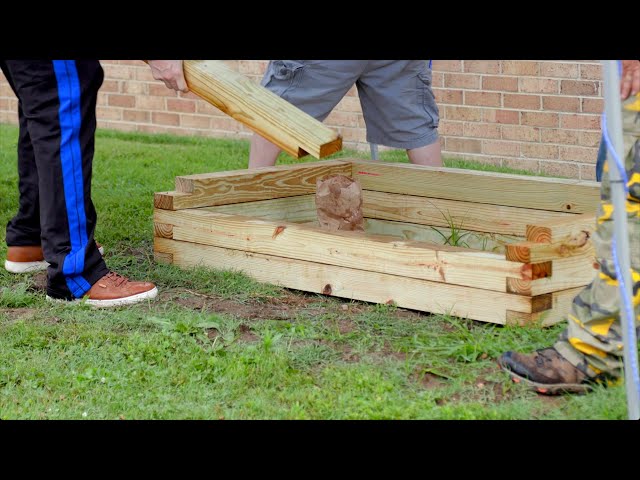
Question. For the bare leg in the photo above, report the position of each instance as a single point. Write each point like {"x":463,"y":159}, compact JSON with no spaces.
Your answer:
{"x":428,"y":155}
{"x":263,"y":153}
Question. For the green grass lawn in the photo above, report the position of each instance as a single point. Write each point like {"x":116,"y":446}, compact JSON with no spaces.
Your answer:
{"x":219,"y":345}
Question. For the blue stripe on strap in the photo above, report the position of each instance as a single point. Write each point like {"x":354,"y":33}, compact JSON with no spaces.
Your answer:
{"x":72,"y":178}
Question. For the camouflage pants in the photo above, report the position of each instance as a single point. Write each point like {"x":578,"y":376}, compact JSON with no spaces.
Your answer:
{"x":593,"y":338}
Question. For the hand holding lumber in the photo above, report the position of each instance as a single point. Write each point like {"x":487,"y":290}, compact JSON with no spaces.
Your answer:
{"x":277,"y":120}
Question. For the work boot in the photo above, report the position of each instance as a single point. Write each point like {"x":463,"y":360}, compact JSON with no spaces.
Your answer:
{"x":114,"y":290}
{"x":546,"y":371}
{"x":29,"y":259}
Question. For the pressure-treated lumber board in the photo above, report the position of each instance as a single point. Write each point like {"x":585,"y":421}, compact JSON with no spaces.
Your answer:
{"x":162,"y":257}
{"x":237,"y":186}
{"x":264,"y":112}
{"x":352,"y":283}
{"x":560,"y":307}
{"x":288,"y":209}
{"x":565,"y":273}
{"x":445,"y":264}
{"x":560,"y":195}
{"x":563,"y":230}
{"x":490,"y":242}
{"x":478,"y":217}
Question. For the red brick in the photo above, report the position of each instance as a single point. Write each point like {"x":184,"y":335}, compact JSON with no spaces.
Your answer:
{"x":560,"y":169}
{"x":110,"y":86}
{"x":591,"y":72}
{"x":538,"y":85}
{"x":500,"y":116}
{"x":589,"y":139}
{"x":587,"y":172}
{"x":559,"y":69}
{"x":461,"y":80}
{"x":447,"y":65}
{"x":519,"y":67}
{"x":437,"y":79}
{"x":521,"y":133}
{"x":592,"y":105}
{"x":537,"y":150}
{"x":349,"y":104}
{"x":528,"y":102}
{"x":138,"y":116}
{"x":224,"y":123}
{"x":103,"y":99}
{"x":481,"y":130}
{"x":353,"y":134}
{"x":252,"y":67}
{"x":450,"y":128}
{"x":127,"y":101}
{"x":539,"y":119}
{"x":342,"y":119}
{"x":482,"y":66}
{"x":135,"y":88}
{"x":206,"y":107}
{"x":108,"y":113}
{"x":578,"y":87}
{"x":119,"y":72}
{"x":125,"y":127}
{"x":559,"y":136}
{"x":579,"y":154}
{"x":463,"y":113}
{"x":159,"y":129}
{"x":528,"y":165}
{"x":448,"y":96}
{"x":502,"y":84}
{"x":463,"y":145}
{"x":561,"y":104}
{"x":145,"y":75}
{"x":165,"y":118}
{"x":150,"y":103}
{"x":181,"y":105}
{"x":195,"y":121}
{"x":161,"y":90}
{"x":487,"y":99}
{"x":580,"y":122}
{"x":497,"y":147}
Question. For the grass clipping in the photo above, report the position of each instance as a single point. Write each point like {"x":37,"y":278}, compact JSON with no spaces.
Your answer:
{"x":339,"y":203}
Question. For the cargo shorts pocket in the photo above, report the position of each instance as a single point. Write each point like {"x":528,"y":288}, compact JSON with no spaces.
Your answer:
{"x":426,"y":98}
{"x":282,"y":75}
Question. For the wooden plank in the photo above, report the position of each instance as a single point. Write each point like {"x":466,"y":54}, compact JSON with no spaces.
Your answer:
{"x":264,"y":112}
{"x":452,"y":265}
{"x":169,"y":200}
{"x":437,"y":212}
{"x":163,"y":230}
{"x":560,"y":307}
{"x":351,"y":283}
{"x":289,"y":209}
{"x":490,"y":242}
{"x":570,"y":272}
{"x":162,"y":257}
{"x":238,"y":186}
{"x":553,"y":194}
{"x":563,"y":230}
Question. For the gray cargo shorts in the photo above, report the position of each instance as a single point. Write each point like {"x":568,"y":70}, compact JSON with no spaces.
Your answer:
{"x":397,"y":101}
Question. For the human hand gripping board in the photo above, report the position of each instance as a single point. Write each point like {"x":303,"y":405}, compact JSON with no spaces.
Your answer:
{"x":251,"y":104}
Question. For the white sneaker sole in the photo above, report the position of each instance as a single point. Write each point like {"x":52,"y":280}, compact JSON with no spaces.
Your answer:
{"x":26,"y":267}
{"x":115,"y":302}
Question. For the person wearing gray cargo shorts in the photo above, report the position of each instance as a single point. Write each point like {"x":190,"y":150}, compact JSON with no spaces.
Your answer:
{"x":397,"y":102}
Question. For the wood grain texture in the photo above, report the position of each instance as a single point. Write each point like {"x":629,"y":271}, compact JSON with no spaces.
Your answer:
{"x":352,"y":283}
{"x":163,"y":230}
{"x":301,"y":208}
{"x":560,"y":307}
{"x":478,"y":217}
{"x":559,"y":195}
{"x":238,"y":186}
{"x":562,"y":230}
{"x":264,"y":112}
{"x":452,"y":265}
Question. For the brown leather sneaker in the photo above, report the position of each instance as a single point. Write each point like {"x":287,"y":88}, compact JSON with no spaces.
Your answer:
{"x":546,"y":371}
{"x":29,"y":259}
{"x":114,"y":290}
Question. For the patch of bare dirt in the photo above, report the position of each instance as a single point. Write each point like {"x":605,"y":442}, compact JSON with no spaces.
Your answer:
{"x":247,"y":335}
{"x":39,"y":282}
{"x":15,"y":314}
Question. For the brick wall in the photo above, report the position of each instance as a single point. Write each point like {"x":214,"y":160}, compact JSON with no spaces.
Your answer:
{"x":542,"y":116}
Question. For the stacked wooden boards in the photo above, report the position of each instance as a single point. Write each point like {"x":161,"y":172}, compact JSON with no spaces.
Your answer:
{"x":521,"y":249}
